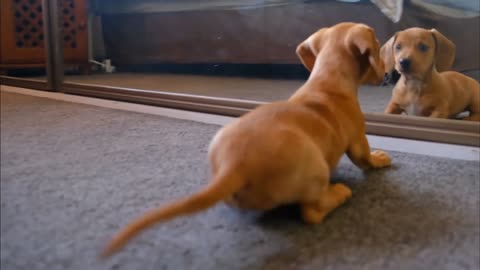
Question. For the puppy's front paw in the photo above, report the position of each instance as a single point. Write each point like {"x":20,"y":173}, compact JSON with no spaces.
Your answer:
{"x":379,"y":159}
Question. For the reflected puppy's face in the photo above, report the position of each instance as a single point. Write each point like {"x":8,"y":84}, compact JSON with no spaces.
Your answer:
{"x":414,"y":52}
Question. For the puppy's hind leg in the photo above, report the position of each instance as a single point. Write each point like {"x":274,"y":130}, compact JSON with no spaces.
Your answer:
{"x":474,"y":109}
{"x":334,"y":196}
{"x":319,"y":197}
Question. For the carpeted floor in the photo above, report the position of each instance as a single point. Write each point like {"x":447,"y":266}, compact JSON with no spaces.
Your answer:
{"x":71,"y":175}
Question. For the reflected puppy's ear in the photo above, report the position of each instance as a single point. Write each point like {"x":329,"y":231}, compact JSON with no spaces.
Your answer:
{"x":386,"y":54}
{"x":444,"y":51}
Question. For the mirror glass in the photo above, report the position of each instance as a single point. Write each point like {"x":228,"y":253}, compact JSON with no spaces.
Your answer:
{"x":246,"y":49}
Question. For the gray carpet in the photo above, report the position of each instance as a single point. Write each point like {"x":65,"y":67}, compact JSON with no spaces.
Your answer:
{"x":71,"y":175}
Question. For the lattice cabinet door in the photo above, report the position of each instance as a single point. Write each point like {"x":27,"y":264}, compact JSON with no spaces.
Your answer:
{"x":22,"y":36}
{"x":75,"y":31}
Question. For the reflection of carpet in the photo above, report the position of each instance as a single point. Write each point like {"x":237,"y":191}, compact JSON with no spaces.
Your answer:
{"x":372,"y":99}
{"x":72,"y":174}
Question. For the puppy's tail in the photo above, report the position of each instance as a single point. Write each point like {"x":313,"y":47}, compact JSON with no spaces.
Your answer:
{"x":219,"y":189}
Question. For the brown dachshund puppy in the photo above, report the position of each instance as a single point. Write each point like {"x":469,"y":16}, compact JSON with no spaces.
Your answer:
{"x":284,"y":152}
{"x":421,"y":90}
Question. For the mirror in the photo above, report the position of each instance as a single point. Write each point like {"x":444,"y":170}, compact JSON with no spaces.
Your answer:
{"x":239,"y":49}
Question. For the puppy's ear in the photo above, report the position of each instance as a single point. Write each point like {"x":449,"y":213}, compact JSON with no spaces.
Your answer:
{"x":363,"y":40}
{"x":305,"y":53}
{"x":386,"y":54}
{"x":444,"y":51}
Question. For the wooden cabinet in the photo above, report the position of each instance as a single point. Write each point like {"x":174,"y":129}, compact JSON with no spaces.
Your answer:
{"x":22,"y":36}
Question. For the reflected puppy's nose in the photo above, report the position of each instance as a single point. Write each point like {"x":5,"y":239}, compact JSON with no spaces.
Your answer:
{"x":405,"y":64}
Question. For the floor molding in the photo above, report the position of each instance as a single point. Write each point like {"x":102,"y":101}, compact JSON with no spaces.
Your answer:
{"x":378,"y":142}
{"x":179,"y":114}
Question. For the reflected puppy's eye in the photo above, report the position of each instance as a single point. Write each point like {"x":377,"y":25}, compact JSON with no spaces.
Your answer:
{"x":398,"y":47}
{"x":422,"y":47}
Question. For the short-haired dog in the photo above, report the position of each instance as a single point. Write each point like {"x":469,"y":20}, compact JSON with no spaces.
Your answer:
{"x":284,"y":152}
{"x":422,"y":90}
